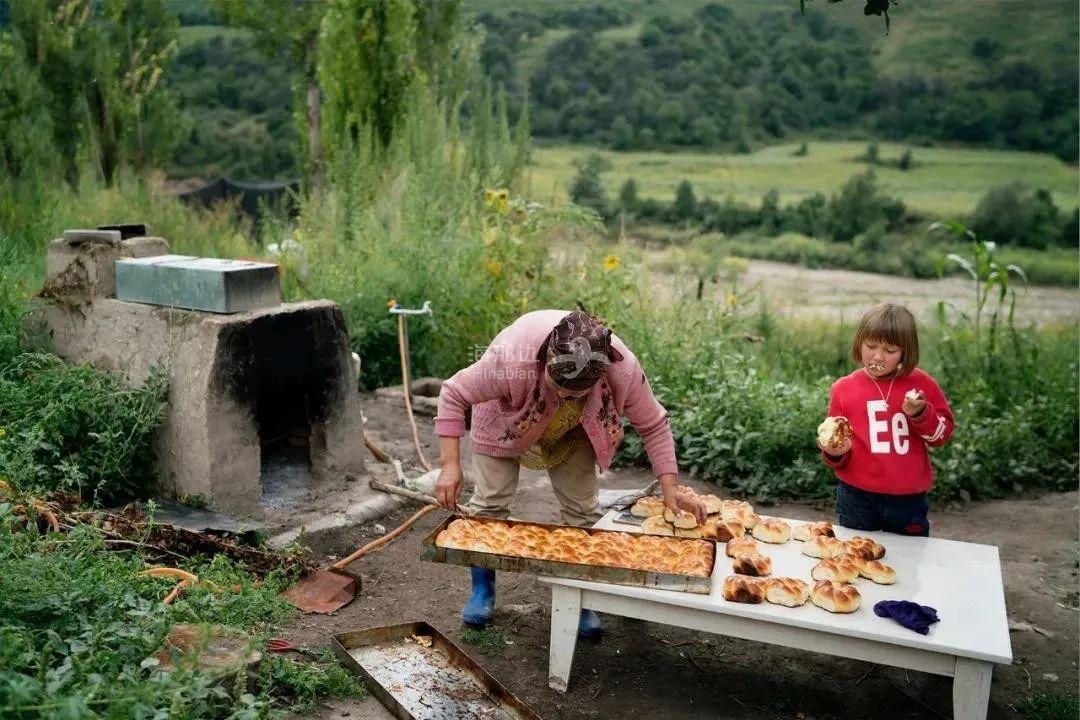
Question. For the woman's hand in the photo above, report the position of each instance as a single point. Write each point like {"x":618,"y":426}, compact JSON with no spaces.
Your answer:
{"x":676,"y":501}
{"x":913,"y":407}
{"x":836,"y":450}
{"x":448,"y":486}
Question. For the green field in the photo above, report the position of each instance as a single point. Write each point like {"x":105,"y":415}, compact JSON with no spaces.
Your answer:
{"x":943,"y":181}
{"x":190,"y":34}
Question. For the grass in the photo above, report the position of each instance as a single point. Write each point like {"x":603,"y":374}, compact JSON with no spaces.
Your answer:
{"x":915,"y":254}
{"x":191,"y":34}
{"x":80,"y":624}
{"x":943,"y":181}
{"x":488,"y":640}
{"x":1049,"y":706}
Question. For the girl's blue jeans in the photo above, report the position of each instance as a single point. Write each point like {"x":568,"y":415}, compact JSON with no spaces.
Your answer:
{"x":862,"y":510}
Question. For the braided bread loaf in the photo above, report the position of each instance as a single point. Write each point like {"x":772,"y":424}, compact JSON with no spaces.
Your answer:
{"x":840,"y":569}
{"x":874,"y":570}
{"x":721,"y":531}
{"x":823,"y":546}
{"x":657,"y":525}
{"x":835,"y":597}
{"x":791,"y":592}
{"x":739,"y":512}
{"x":683,"y":519}
{"x":713,"y":504}
{"x":752,"y":564}
{"x":865,"y":548}
{"x":741,"y":589}
{"x":741,"y":544}
{"x":647,"y":507}
{"x":772,"y":530}
{"x":803,"y":533}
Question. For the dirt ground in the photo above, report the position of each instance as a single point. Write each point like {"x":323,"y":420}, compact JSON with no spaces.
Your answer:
{"x":794,"y":291}
{"x":669,"y":672}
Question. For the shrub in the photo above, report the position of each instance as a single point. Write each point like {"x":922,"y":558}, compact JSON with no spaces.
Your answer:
{"x":1013,"y":214}
{"x":77,"y":429}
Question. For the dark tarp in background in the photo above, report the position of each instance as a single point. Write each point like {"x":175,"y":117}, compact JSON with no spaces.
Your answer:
{"x":251,"y":194}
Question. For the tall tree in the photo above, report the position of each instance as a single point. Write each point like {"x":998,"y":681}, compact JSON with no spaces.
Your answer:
{"x":359,"y":60}
{"x":685,"y":204}
{"x":367,"y":63}
{"x":100,"y":67}
{"x":292,"y":27}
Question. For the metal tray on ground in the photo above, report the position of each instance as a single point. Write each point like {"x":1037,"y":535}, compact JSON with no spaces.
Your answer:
{"x":550,"y":568}
{"x":418,"y":682}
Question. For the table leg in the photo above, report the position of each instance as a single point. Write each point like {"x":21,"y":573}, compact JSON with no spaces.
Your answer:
{"x":565,"y":612}
{"x":971,"y":689}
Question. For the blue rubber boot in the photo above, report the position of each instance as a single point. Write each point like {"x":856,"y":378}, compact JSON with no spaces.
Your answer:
{"x":588,"y":627}
{"x":482,"y":603}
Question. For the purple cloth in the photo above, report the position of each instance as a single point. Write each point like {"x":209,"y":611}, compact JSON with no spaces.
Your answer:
{"x":911,"y":615}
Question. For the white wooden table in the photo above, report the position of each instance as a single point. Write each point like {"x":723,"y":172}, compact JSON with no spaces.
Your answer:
{"x":961,"y":580}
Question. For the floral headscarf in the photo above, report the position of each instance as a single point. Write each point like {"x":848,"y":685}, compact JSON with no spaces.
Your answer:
{"x":578,"y":351}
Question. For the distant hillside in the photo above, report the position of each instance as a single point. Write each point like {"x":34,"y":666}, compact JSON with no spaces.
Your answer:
{"x":239,"y":101}
{"x":677,"y":74}
{"x":641,"y":75}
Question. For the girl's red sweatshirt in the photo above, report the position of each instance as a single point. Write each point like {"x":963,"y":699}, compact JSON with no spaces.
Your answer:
{"x":889,"y":450}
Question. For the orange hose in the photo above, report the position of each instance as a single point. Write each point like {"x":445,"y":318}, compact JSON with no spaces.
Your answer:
{"x":407,"y":391}
{"x":175,"y":592}
{"x":182,"y":575}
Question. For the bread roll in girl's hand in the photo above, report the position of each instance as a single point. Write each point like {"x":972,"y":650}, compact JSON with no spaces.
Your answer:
{"x":834,"y":431}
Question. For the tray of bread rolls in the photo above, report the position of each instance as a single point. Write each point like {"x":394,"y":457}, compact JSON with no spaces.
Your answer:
{"x":666,"y":563}
{"x":418,"y":673}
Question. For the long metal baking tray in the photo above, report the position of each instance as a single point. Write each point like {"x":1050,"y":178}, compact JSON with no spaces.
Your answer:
{"x":550,"y":568}
{"x":416,"y":681}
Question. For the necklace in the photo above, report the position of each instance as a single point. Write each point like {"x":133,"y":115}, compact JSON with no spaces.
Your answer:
{"x":885,"y":395}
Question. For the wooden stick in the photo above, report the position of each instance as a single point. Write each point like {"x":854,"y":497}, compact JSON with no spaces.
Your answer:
{"x":377,"y":451}
{"x":386,"y":538}
{"x":404,"y":492}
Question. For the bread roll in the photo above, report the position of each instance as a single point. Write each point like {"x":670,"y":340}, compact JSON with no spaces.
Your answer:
{"x":741,"y":544}
{"x":647,"y":507}
{"x":683,"y":519}
{"x":656,"y":525}
{"x":823,"y":547}
{"x":694,"y":532}
{"x":741,"y":589}
{"x":686,"y":490}
{"x":568,"y":533}
{"x":834,"y":430}
{"x":865,"y":548}
{"x":803,"y":533}
{"x":721,"y":531}
{"x":835,"y":597}
{"x":791,"y":592}
{"x":837,"y":569}
{"x":740,"y":512}
{"x":449,"y":539}
{"x":713,"y":504}
{"x":772,"y":530}
{"x":752,"y":564}
{"x":876,"y":571}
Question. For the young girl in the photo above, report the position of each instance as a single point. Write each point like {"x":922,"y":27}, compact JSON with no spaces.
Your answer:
{"x":897,"y":412}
